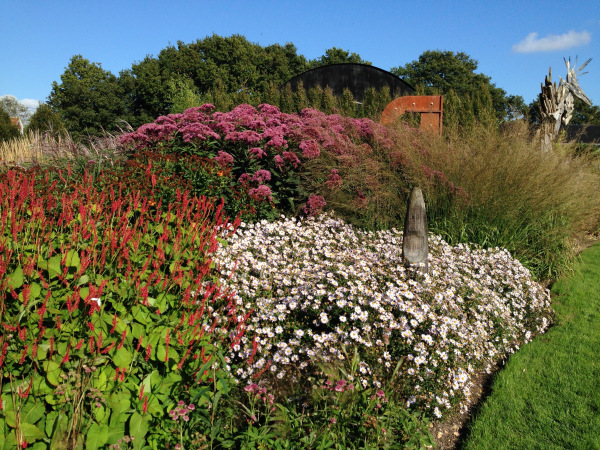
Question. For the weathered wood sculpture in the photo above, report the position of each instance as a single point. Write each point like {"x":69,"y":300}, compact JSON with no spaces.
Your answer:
{"x":415,"y":243}
{"x":557,"y":103}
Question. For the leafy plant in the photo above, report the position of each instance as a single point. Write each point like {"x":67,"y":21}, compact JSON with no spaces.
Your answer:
{"x":110,"y":311}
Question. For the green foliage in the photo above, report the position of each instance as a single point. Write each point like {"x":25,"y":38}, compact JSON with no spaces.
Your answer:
{"x":336,"y":55}
{"x":183,"y":95}
{"x":44,"y":120}
{"x":336,"y":414}
{"x":7,"y":130}
{"x":105,"y":312}
{"x":88,"y":99}
{"x":453,"y":74}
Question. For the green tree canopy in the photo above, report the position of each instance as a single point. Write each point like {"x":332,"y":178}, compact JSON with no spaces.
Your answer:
{"x":89,"y":99}
{"x":336,"y":55}
{"x":7,"y":129}
{"x":45,"y":120}
{"x":442,"y":72}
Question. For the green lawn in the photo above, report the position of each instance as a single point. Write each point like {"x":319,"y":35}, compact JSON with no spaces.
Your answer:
{"x":548,"y":394}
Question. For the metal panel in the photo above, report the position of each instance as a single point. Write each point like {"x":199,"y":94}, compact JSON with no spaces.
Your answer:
{"x":429,"y":106}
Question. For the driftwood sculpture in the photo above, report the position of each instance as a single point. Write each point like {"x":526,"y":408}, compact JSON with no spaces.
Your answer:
{"x":414,"y":243}
{"x":557,"y":102}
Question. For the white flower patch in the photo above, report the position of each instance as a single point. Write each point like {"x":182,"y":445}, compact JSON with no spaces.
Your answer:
{"x":323,"y":288}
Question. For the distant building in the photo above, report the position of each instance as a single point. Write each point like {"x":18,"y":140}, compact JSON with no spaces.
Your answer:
{"x":16,"y":121}
{"x":355,"y":77}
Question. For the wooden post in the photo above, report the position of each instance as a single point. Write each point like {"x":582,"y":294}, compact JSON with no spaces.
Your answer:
{"x":414,"y":243}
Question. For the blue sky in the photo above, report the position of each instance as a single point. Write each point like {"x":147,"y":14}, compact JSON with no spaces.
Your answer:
{"x":515,"y":42}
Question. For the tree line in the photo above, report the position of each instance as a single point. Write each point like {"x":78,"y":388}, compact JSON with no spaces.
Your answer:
{"x":227,"y":71}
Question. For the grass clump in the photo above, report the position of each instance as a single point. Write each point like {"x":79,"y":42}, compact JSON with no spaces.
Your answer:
{"x":547,"y":395}
{"x":495,"y":188}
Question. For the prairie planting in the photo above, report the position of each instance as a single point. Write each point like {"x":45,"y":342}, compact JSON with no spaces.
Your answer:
{"x":234,"y":279}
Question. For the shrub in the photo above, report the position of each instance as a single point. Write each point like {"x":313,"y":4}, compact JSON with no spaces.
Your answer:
{"x":295,"y":153}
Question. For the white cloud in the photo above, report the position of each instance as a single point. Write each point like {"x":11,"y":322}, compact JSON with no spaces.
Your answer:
{"x":552,"y":42}
{"x":30,"y":103}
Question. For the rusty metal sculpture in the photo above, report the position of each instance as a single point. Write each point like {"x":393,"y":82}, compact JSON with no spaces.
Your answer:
{"x":429,"y":106}
{"x":557,"y":102}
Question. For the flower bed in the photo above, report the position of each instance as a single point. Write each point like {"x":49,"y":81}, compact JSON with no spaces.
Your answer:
{"x":318,"y":289}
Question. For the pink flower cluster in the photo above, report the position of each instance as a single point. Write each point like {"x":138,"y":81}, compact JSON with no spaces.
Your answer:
{"x":265,"y":137}
{"x":334,"y":180}
{"x":260,"y":393}
{"x":182,"y":411}
{"x":262,"y":192}
{"x":314,"y":205}
{"x":340,"y":386}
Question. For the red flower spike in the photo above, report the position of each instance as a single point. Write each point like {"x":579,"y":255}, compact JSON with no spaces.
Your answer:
{"x":24,"y":354}
{"x":122,"y":339}
{"x":66,"y":357}
{"x":114,"y":324}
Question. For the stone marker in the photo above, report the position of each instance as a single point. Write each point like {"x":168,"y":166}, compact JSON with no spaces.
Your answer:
{"x":414,"y":243}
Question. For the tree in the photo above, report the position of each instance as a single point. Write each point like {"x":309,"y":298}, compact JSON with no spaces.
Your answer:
{"x":14,"y":107}
{"x":89,"y":99}
{"x":44,"y":120}
{"x":439,"y":72}
{"x":7,"y":129}
{"x":336,"y":55}
{"x":585,"y":114}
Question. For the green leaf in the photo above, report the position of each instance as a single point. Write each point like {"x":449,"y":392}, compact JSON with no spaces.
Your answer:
{"x":84,"y":292}
{"x":31,"y":432}
{"x":115,"y":432}
{"x":83,"y":280}
{"x":146,"y":382}
{"x":118,"y":403}
{"x":50,"y":421}
{"x":138,"y":427}
{"x":15,"y":279}
{"x":52,"y":372}
{"x":33,"y":412}
{"x":73,"y":259}
{"x":54,"y":266}
{"x":10,"y":441}
{"x":97,"y":436}
{"x":99,"y":382}
{"x":122,"y":358}
{"x":35,"y":290}
{"x":161,"y":352}
{"x":59,"y":436}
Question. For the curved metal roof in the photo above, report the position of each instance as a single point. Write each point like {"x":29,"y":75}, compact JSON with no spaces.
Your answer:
{"x":356,"y":77}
